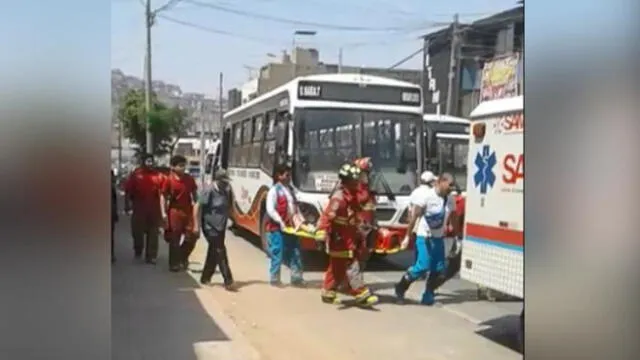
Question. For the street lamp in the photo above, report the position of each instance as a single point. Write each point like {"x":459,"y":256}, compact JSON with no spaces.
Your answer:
{"x":297,"y":33}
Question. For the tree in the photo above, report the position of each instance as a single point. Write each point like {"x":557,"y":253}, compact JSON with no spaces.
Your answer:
{"x":167,"y":123}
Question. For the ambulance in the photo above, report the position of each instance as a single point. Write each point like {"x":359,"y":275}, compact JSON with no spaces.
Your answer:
{"x":493,"y":245}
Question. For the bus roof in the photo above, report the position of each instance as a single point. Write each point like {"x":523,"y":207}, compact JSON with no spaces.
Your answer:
{"x":445,"y":118}
{"x":498,"y":106}
{"x":337,"y":78}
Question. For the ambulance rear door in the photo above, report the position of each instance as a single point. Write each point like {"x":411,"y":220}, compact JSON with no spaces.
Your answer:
{"x":492,"y":254}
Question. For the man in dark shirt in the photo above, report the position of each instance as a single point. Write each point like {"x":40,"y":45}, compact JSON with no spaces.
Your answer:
{"x":114,"y":213}
{"x":212,"y":213}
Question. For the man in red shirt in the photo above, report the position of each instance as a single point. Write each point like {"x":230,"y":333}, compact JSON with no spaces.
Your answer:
{"x":142,"y":190}
{"x":178,"y":197}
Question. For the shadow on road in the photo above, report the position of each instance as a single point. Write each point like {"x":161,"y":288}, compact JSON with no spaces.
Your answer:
{"x":503,"y":330}
{"x":155,"y":314}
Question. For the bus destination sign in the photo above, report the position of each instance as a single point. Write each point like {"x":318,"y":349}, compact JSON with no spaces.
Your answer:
{"x":346,"y":92}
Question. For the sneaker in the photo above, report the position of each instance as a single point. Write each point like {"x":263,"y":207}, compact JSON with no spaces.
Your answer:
{"x":428,"y":298}
{"x":369,"y":301}
{"x":205,"y":282}
{"x":299,"y":283}
{"x":230,"y":287}
{"x":330,"y":297}
{"x":275,"y":283}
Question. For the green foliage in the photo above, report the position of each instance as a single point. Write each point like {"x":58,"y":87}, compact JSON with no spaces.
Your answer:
{"x":167,"y":123}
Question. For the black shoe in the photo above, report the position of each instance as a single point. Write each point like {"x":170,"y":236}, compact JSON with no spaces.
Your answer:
{"x":150,"y":261}
{"x":401,"y":288}
{"x":175,"y":269}
{"x":137,"y":256}
{"x":230,"y":287}
{"x":205,"y":282}
{"x":113,"y":259}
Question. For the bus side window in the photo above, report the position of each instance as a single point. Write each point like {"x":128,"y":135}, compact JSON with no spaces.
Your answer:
{"x":282,"y":123}
{"x":246,"y":142}
{"x":256,"y":146}
{"x":267,"y":159}
{"x":236,"y":145}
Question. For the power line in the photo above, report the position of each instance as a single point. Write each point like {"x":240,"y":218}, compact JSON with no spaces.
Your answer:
{"x":404,"y":60}
{"x":296,"y":22}
{"x":216,"y":31}
{"x":167,"y":6}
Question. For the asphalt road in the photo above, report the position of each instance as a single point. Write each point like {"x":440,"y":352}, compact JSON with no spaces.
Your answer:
{"x":497,"y":321}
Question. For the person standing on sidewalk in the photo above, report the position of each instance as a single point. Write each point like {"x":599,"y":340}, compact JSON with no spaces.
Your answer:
{"x":142,"y":199}
{"x":433,"y":208}
{"x":211,"y":215}
{"x":178,"y":197}
{"x":282,"y":247}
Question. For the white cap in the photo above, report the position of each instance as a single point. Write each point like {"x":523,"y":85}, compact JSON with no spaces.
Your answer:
{"x":427,"y":177}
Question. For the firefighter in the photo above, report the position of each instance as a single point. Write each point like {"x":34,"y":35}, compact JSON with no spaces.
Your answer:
{"x":282,"y":247}
{"x":340,"y":225}
{"x":178,"y":197}
{"x":433,"y":209}
{"x":142,"y":199}
{"x":366,"y":214}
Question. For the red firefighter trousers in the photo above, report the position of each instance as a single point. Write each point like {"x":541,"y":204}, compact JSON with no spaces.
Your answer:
{"x":180,"y":223}
{"x":345,"y":271}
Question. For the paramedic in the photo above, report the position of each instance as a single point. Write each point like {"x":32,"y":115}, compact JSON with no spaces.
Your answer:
{"x":433,"y":209}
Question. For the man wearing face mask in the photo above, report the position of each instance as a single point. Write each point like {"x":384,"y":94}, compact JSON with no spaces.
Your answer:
{"x":433,"y":209}
{"x":211,"y":215}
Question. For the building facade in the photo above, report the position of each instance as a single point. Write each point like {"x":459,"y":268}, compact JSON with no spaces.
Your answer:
{"x":480,"y":41}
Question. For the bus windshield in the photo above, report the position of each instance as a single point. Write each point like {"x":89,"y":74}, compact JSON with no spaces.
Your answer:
{"x":453,"y":159}
{"x":327,"y":138}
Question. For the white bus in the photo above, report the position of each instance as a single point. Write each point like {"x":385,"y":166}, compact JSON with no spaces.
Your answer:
{"x":446,"y":140}
{"x":317,"y":123}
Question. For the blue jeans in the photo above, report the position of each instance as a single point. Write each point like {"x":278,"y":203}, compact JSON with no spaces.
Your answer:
{"x":430,"y":257}
{"x":284,"y":248}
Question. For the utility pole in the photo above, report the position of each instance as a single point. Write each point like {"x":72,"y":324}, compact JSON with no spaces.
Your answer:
{"x":453,"y":62}
{"x":339,"y":60}
{"x":149,"y":15}
{"x":423,"y":76}
{"x":202,"y":138}
{"x":221,"y":111}
{"x":217,"y":160}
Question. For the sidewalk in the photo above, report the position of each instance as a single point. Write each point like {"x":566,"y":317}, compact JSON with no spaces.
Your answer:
{"x":158,"y":315}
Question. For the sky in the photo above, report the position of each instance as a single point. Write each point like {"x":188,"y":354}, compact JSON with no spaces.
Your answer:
{"x":378,"y":33}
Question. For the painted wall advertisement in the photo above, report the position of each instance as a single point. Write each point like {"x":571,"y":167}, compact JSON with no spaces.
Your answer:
{"x":500,"y":78}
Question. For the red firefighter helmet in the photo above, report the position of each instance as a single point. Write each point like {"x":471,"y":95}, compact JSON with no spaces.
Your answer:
{"x":364,"y":164}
